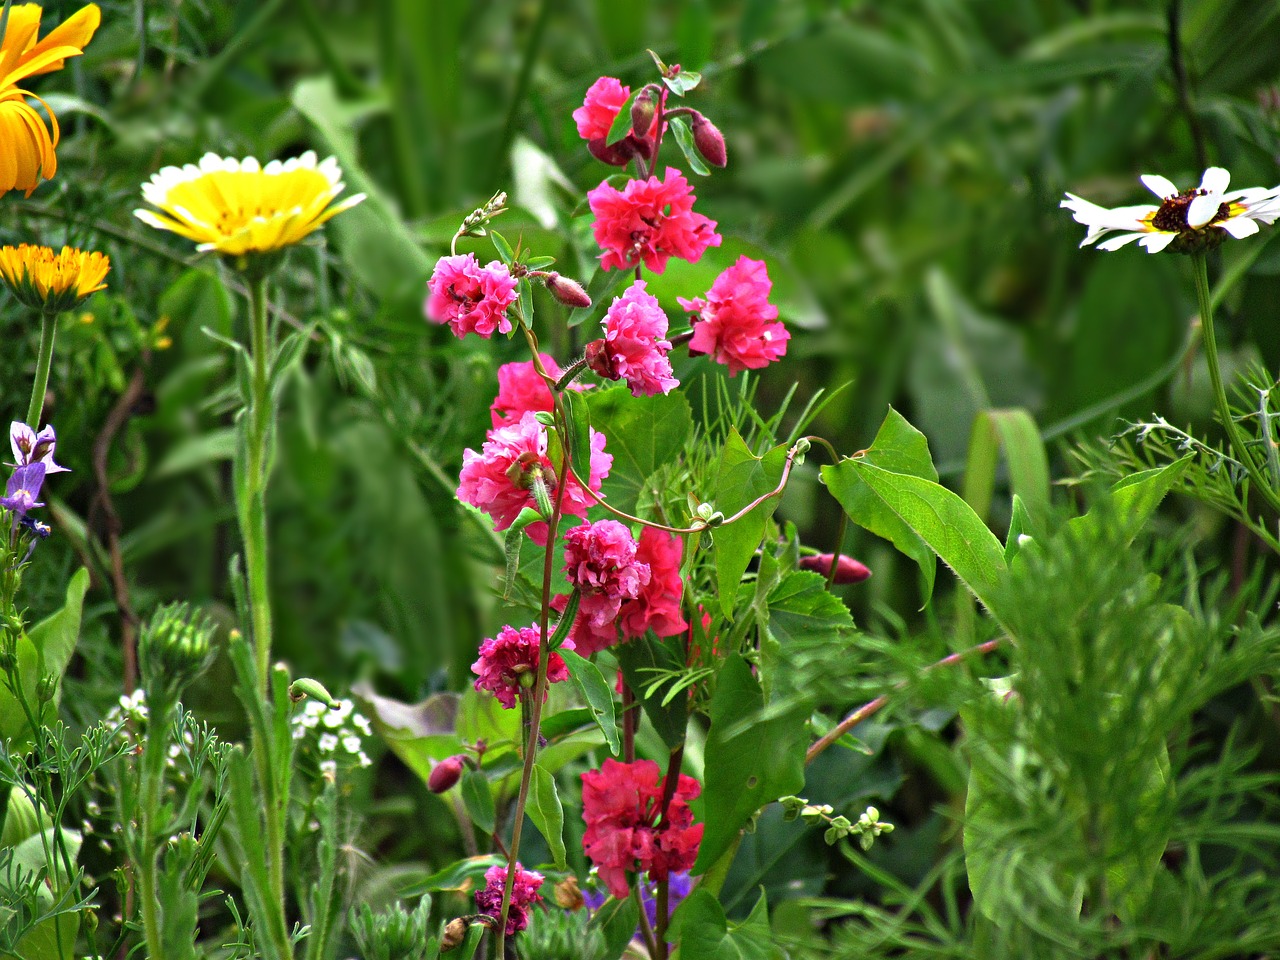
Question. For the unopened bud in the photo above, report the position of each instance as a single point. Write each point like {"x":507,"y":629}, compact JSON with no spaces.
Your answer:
{"x":541,"y":495}
{"x":446,"y":773}
{"x":46,"y":688}
{"x":599,"y":361}
{"x":568,"y":895}
{"x":643,"y":109}
{"x":305,"y":687}
{"x":615,"y":154}
{"x":569,"y":292}
{"x":455,"y":931}
{"x":709,"y":140}
{"x":848,"y":570}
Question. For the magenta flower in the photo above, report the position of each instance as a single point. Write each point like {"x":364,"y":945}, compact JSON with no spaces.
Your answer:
{"x":23,"y":488}
{"x":31,"y":447}
{"x":649,"y":221}
{"x":521,"y":388}
{"x":736,"y":323}
{"x":600,"y":560}
{"x":524,"y":893}
{"x":621,"y":806}
{"x":508,"y":664}
{"x":469,"y":297}
{"x":605,"y":98}
{"x":657,"y":606}
{"x":499,"y":479}
{"x":634,"y":347}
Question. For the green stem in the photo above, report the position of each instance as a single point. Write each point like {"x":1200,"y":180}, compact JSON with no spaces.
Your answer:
{"x":253,"y":523}
{"x":153,"y":757}
{"x":48,"y":330}
{"x":1260,"y":481}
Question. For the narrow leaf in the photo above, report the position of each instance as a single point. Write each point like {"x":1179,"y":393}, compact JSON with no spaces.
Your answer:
{"x":596,"y":691}
{"x":547,"y":813}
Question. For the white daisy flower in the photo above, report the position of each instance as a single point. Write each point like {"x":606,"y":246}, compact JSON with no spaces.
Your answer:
{"x":1186,"y":220}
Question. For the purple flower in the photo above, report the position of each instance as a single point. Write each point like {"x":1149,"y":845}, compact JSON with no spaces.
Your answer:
{"x":31,"y":447}
{"x":679,"y":884}
{"x":23,"y":488}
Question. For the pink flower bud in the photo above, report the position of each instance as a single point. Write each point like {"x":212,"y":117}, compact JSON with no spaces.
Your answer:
{"x":848,"y":570}
{"x":446,"y":773}
{"x":599,"y":362}
{"x":709,"y":140}
{"x":616,"y":155}
{"x":643,"y":109}
{"x":569,"y":292}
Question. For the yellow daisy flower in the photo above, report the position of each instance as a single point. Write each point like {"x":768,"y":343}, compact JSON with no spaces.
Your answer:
{"x":52,"y":282}
{"x":26,"y":144}
{"x":239,"y":207}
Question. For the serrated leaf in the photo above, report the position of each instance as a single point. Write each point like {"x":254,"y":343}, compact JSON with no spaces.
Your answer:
{"x":684,"y":138}
{"x":545,"y":810}
{"x":598,"y":694}
{"x":643,"y":434}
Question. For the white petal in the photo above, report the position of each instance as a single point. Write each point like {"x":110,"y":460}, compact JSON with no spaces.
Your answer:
{"x":1159,"y":185}
{"x":1155,"y":242}
{"x":1203,"y":209}
{"x":1115,"y":243}
{"x":1239,"y":227}
{"x":1215,"y":180}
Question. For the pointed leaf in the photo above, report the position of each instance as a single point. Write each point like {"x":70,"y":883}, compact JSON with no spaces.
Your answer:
{"x":546,"y":812}
{"x":741,"y":479}
{"x":599,"y":696}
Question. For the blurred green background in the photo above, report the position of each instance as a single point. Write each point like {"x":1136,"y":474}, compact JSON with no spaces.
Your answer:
{"x":899,"y":166}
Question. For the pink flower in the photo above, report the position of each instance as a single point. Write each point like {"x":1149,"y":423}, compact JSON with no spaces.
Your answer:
{"x":634,"y":347}
{"x":620,"y":805}
{"x":521,"y":388}
{"x":600,"y":560}
{"x":605,"y":98}
{"x":650,"y":221}
{"x":499,"y":479}
{"x":524,"y":893}
{"x":469,"y":297}
{"x":736,"y":322}
{"x":508,"y":664}
{"x":657,"y":607}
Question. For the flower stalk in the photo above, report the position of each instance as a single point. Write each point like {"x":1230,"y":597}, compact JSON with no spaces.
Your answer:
{"x":1263,"y":484}
{"x":40,"y":385}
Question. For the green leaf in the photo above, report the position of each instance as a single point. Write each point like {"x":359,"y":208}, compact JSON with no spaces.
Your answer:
{"x":684,"y":137}
{"x":1015,"y":433}
{"x":937,"y":516}
{"x":617,"y":921}
{"x":621,"y":125}
{"x":577,"y":424}
{"x":598,"y":694}
{"x":641,"y":661}
{"x":457,"y":877}
{"x":742,"y":478}
{"x":504,"y":249}
{"x":546,"y":812}
{"x":478,"y":797}
{"x":1019,"y":524}
{"x":902,"y":448}
{"x":512,"y":546}
{"x":44,"y":651}
{"x":416,"y":733}
{"x":706,"y":934}
{"x":749,"y":761}
{"x":683,"y":82}
{"x":643,"y":434}
{"x":216,"y":446}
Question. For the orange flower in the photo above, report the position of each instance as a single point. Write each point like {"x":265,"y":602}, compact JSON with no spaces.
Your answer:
{"x":26,"y":144}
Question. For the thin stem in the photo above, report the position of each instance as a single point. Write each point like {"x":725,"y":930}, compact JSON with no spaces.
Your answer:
{"x":570,"y":374}
{"x":628,"y":723}
{"x":663,"y":900}
{"x":48,"y":330}
{"x":646,"y":931}
{"x":1260,"y":482}
{"x":867,"y":709}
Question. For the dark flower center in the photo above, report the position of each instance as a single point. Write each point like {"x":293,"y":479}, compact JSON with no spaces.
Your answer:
{"x":1172,"y":215}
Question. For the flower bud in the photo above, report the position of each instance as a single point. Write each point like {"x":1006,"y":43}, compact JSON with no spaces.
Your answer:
{"x":175,"y":646}
{"x":455,"y":931}
{"x":643,"y":109}
{"x":615,"y":154}
{"x":599,"y":361}
{"x":569,"y":292}
{"x":568,"y":894}
{"x":709,"y":140}
{"x":305,"y":687}
{"x":848,"y":570}
{"x":446,"y":773}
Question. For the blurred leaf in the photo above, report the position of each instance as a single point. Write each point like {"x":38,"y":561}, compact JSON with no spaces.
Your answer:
{"x":1013,"y":432}
{"x":641,"y":661}
{"x":617,"y":920}
{"x":478,"y":798}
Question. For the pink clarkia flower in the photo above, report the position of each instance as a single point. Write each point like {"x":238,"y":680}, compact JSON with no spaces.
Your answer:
{"x":621,"y":805}
{"x":521,"y":388}
{"x":499,"y":479}
{"x":509,"y":661}
{"x":524,"y":893}
{"x":649,"y":221}
{"x":657,"y":606}
{"x":736,"y":323}
{"x":634,"y":347}
{"x":469,"y":297}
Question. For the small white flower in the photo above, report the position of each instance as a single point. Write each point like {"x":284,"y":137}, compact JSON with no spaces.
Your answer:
{"x":1196,"y":219}
{"x":351,"y":743}
{"x":328,"y":743}
{"x":363,"y":759}
{"x":329,"y":768}
{"x":362,"y":724}
{"x":337,"y":716}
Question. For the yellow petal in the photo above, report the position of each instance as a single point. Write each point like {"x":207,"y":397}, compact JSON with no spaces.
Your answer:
{"x":75,"y":32}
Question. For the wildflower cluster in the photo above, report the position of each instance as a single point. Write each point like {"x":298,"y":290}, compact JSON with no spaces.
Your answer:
{"x":336,"y":734}
{"x":524,"y":894}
